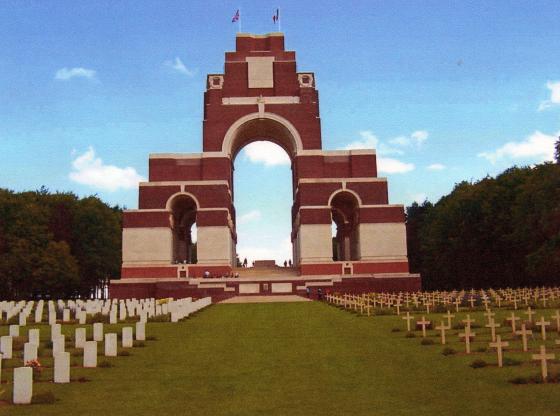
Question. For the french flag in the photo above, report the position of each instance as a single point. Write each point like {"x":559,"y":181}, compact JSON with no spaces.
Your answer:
{"x":276,"y":16}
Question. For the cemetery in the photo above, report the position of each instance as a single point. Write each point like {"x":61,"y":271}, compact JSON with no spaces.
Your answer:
{"x":410,"y":353}
{"x":443,"y":308}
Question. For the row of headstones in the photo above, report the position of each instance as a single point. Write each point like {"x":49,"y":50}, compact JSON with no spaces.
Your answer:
{"x":144,"y":308}
{"x":23,"y":376}
{"x":117,"y":310}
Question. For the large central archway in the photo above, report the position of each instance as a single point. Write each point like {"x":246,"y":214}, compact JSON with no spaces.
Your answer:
{"x":263,"y":128}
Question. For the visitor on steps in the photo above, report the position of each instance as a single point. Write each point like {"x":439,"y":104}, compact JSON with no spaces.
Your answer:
{"x":308,"y":290}
{"x":245,"y":262}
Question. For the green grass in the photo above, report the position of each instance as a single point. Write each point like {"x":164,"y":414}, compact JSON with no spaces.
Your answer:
{"x":294,"y":359}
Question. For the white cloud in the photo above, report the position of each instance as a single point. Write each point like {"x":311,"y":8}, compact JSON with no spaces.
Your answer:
{"x":384,"y":164}
{"x":436,"y":166}
{"x":267,"y":153}
{"x":249,"y":216}
{"x":179,"y":66}
{"x":417,"y":137}
{"x":554,"y":88}
{"x":389,"y":165}
{"x":68,"y":73}
{"x":368,"y":141}
{"x":538,"y":146}
{"x":90,"y":170}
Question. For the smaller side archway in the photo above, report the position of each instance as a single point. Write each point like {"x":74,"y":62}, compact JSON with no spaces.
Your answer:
{"x":345,"y":209}
{"x":183,"y":209}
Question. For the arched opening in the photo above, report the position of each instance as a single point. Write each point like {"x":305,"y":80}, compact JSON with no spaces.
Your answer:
{"x":345,"y":220}
{"x":263,"y":202}
{"x":183,"y":215}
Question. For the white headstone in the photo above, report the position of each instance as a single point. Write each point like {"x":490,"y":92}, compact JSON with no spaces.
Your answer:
{"x":65,"y":315}
{"x":55,"y":331}
{"x":23,"y":385}
{"x":127,"y":340}
{"x":110,"y":345}
{"x":82,"y":317}
{"x":14,"y":330}
{"x":29,"y":352}
{"x":34,"y":336}
{"x":80,"y":337}
{"x":90,"y":354}
{"x":98,"y":331}
{"x":62,"y":367}
{"x":6,"y":347}
{"x":140,"y":331}
{"x":58,"y":345}
{"x":22,"y":319}
{"x":113,"y":316}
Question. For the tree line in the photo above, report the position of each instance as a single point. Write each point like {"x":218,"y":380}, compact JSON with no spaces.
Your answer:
{"x":496,"y":232}
{"x":56,"y":245}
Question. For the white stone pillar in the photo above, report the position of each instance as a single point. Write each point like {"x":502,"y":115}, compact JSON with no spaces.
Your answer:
{"x":14,"y":330}
{"x":6,"y":347}
{"x":34,"y":336}
{"x":23,"y":385}
{"x":90,"y":354}
{"x":110,"y":345}
{"x":98,"y":331}
{"x":62,"y":367}
{"x":29,"y":352}
{"x":80,"y":337}
{"x":140,"y":331}
{"x":127,"y":339}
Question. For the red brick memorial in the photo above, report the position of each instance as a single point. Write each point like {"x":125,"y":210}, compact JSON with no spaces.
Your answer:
{"x":262,"y":96}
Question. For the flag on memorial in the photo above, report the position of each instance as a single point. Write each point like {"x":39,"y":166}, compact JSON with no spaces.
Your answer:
{"x":276,"y":16}
{"x":235,"y":17}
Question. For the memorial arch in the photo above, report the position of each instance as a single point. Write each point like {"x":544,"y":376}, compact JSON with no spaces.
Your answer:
{"x":261,"y":95}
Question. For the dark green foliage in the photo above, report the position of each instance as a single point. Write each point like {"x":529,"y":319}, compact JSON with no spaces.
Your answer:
{"x":497,"y":232}
{"x":55,"y":245}
{"x":427,"y":341}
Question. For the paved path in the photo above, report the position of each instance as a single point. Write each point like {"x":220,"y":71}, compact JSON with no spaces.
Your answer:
{"x":266,"y":299}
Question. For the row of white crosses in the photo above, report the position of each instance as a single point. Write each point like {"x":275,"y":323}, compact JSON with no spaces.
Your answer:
{"x":144,"y":308}
{"x":496,"y":342}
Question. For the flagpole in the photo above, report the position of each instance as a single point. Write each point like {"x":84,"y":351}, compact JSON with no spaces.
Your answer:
{"x":239,"y":21}
{"x":279,"y":23}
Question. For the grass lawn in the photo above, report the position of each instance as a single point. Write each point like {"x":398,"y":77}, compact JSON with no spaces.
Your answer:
{"x":293,"y":359}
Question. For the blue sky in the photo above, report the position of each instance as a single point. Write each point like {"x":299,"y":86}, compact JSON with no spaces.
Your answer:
{"x":444,"y":90}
